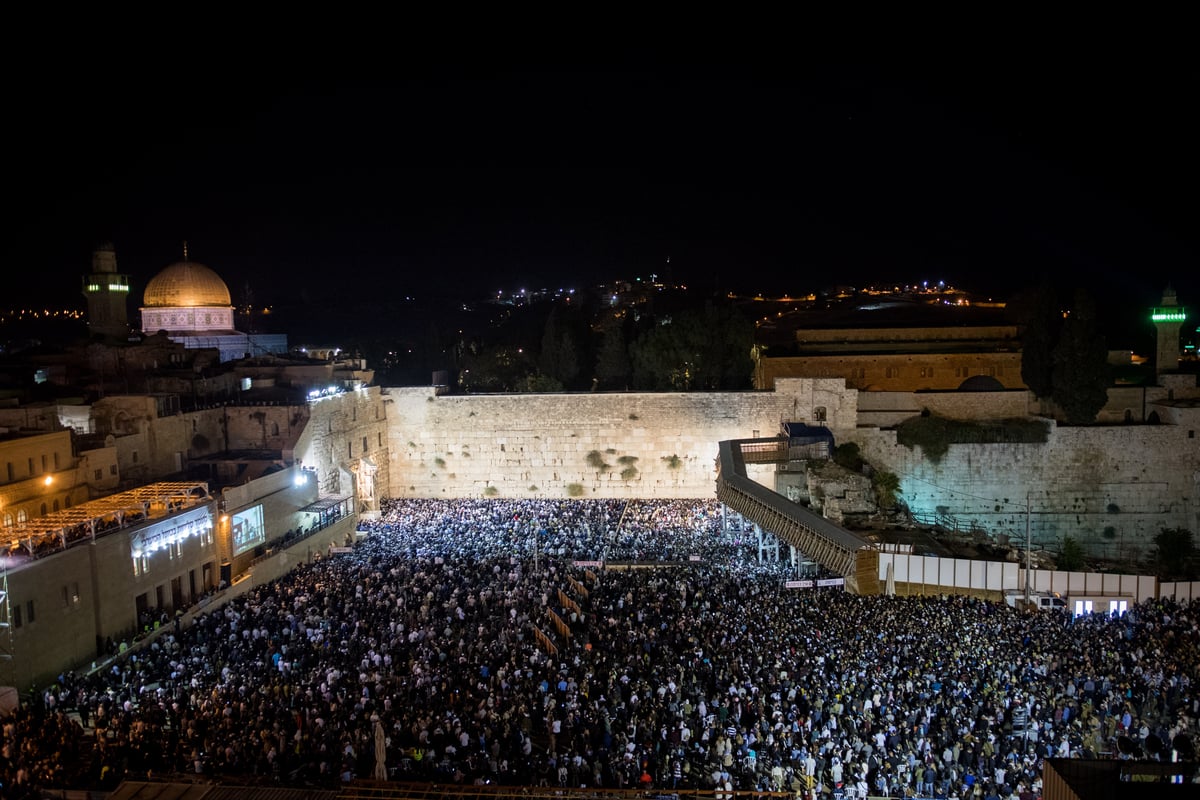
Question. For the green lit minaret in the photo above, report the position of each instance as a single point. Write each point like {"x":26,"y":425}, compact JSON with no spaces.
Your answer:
{"x":107,"y":294}
{"x":1168,"y":319}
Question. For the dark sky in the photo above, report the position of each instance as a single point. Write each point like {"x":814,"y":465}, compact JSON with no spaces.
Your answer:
{"x":419,"y":177}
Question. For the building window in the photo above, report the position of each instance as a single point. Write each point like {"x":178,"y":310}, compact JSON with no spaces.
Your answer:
{"x":379,"y":437}
{"x":43,"y":507}
{"x":350,"y":449}
{"x":819,"y":414}
{"x":55,"y":506}
{"x":8,"y":520}
{"x":45,"y":462}
{"x":364,"y":444}
{"x":98,"y":474}
{"x":22,"y":516}
{"x":31,"y":466}
{"x":56,"y":460}
{"x":10,"y":472}
{"x":135,"y":456}
{"x":112,"y":469}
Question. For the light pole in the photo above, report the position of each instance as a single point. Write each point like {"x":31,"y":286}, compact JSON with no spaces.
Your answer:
{"x":1028,"y":552}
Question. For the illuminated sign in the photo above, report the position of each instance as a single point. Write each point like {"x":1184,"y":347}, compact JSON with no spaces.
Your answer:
{"x":192,"y":522}
{"x":1169,"y":315}
{"x":247,"y":529}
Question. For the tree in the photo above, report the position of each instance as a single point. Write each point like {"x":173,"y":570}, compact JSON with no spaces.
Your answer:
{"x":702,"y":350}
{"x":1070,"y":558}
{"x":612,"y":364}
{"x":887,"y":488}
{"x":1037,"y":312}
{"x":1174,"y":554}
{"x":1081,"y":371}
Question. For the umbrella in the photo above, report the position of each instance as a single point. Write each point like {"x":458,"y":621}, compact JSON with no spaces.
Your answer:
{"x":890,"y":586}
{"x":380,"y":752}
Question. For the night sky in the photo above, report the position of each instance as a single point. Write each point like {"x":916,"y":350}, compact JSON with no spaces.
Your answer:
{"x":467,"y":177}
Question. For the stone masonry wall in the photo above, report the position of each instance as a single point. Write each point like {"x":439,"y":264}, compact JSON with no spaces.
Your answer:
{"x":1112,"y":488}
{"x":540,"y":445}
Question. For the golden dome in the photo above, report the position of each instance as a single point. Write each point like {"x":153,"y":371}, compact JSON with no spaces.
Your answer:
{"x":186,"y":284}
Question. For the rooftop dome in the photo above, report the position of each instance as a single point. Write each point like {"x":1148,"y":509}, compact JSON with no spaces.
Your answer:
{"x":186,"y":284}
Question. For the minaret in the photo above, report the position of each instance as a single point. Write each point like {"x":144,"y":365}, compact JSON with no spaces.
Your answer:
{"x":107,"y":294}
{"x":1168,"y":318}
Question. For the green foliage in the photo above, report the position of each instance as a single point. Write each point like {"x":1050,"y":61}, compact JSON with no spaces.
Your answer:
{"x":672,"y":461}
{"x":633,"y":417}
{"x":612,"y":363}
{"x":595,"y":460}
{"x":934,"y":434}
{"x":503,"y":368}
{"x":847,"y":455}
{"x":694,"y":351}
{"x":887,"y":488}
{"x":491,"y":491}
{"x":574,"y":490}
{"x":538,"y":383}
{"x":1174,"y":554}
{"x":440,"y":462}
{"x":1081,"y":372}
{"x":1109,"y":532}
{"x":1070,"y":557}
{"x":533,"y":487}
{"x":610,"y":451}
{"x":1037,"y":312}
{"x":629,"y":473}
{"x":626,"y":461}
{"x":559,"y":359}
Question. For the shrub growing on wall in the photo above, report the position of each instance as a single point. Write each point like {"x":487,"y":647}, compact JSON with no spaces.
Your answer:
{"x":574,"y":490}
{"x":672,"y":461}
{"x":595,"y":460}
{"x":934,"y":434}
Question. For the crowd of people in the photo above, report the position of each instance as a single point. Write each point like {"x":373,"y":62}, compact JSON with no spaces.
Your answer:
{"x":433,"y":645}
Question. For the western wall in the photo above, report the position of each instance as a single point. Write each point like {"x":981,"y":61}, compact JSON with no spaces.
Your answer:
{"x":1112,"y":488}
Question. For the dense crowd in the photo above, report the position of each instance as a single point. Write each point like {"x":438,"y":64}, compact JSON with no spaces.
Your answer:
{"x":434,"y":639}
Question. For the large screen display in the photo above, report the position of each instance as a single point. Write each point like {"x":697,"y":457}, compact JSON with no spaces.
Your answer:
{"x":247,"y":528}
{"x":169,"y":531}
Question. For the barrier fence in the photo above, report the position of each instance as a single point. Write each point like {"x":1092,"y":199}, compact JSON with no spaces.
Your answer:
{"x":559,"y":625}
{"x":545,"y":641}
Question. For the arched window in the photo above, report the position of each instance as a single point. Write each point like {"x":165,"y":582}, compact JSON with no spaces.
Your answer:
{"x":43,"y":509}
{"x":56,"y":505}
{"x":22,"y":516}
{"x":8,"y":520}
{"x":819,"y":414}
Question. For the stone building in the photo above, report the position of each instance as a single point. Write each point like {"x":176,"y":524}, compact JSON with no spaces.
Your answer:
{"x":191,"y":304}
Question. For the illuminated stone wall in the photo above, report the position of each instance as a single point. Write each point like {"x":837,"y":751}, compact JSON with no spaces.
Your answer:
{"x":594,"y":444}
{"x":895,"y":372}
{"x":1111,"y":488}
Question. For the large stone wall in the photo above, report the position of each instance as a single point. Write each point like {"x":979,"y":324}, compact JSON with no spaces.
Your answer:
{"x":551,"y":445}
{"x":1112,"y":488}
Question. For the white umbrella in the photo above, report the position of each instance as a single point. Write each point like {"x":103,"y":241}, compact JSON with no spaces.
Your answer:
{"x":380,"y":752}
{"x":890,"y":586}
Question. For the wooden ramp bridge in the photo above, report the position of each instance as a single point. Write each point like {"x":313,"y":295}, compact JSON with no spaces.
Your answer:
{"x":832,"y":546}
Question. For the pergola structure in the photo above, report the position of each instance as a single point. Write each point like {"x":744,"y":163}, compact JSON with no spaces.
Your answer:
{"x":144,"y":502}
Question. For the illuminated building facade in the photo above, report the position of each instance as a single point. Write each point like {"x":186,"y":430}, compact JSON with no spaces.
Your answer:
{"x":1168,"y":319}
{"x":191,"y":304}
{"x":107,"y":293}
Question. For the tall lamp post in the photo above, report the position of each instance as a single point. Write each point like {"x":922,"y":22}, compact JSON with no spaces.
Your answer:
{"x":1028,"y":553}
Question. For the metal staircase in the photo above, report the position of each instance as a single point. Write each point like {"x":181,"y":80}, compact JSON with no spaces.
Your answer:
{"x":830,"y":545}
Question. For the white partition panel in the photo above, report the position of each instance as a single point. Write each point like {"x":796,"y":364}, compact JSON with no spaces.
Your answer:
{"x":1147,"y":584}
{"x":946,"y":572}
{"x":995,"y":576}
{"x":932,"y":566}
{"x":1010,"y":576}
{"x":962,"y":573}
{"x":884,"y":560}
{"x":1076,"y":583}
{"x":1110,"y":584}
{"x":900,"y":570}
{"x":978,"y":574}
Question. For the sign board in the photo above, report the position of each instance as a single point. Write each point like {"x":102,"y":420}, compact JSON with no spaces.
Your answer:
{"x":693,"y":558}
{"x":588,"y":563}
{"x":337,"y":550}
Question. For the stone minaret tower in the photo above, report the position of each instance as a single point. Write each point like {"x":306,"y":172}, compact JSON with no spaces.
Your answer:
{"x":107,"y":294}
{"x":1168,"y":318}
